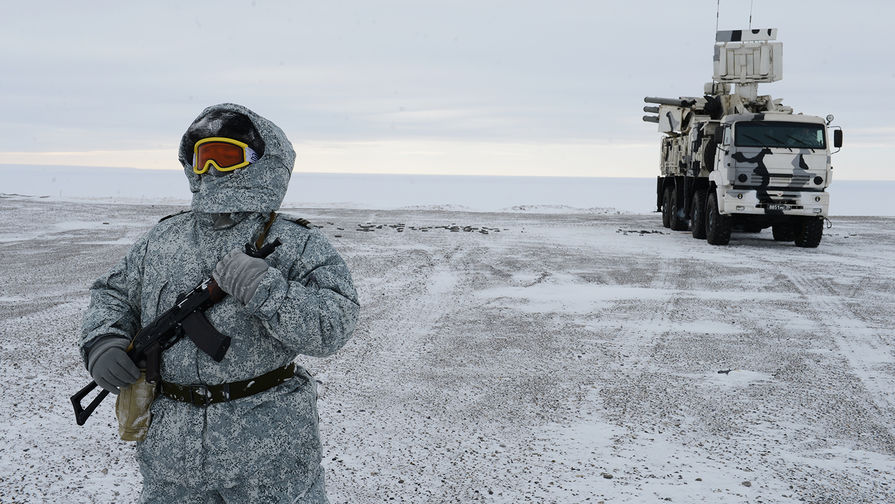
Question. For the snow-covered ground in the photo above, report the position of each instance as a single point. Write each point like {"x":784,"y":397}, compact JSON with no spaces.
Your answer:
{"x":574,"y":356}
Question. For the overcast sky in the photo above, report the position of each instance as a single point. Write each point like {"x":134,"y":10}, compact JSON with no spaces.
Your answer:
{"x":460,"y":87}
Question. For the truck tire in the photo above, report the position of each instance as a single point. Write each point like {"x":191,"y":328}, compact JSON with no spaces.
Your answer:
{"x":697,"y":225}
{"x":783,"y":232}
{"x":809,"y":231}
{"x":717,"y":226}
{"x":678,"y":221}
{"x":666,"y":206}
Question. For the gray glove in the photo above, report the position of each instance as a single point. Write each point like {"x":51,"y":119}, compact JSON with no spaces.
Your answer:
{"x":239,"y":274}
{"x":109,"y":364}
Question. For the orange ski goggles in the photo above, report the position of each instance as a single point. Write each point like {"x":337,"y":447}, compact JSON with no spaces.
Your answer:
{"x":224,"y":154}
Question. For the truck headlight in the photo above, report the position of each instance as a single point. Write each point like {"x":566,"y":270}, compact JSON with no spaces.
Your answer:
{"x":818,"y":210}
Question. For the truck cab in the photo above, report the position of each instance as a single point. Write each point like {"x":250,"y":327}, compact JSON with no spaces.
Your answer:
{"x":772,"y":164}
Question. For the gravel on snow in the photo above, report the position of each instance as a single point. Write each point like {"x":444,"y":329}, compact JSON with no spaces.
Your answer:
{"x":513,"y":357}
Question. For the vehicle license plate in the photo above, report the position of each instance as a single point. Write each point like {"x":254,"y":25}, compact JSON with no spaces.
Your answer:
{"x":777,"y":206}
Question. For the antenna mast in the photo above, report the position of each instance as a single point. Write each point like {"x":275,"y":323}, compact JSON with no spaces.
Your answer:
{"x":717,"y":14}
{"x":751,"y":2}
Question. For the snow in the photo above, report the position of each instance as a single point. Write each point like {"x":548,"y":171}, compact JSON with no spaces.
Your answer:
{"x":569,"y":354}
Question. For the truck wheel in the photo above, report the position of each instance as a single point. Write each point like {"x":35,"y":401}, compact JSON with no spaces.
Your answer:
{"x":809,"y":232}
{"x":698,"y":224}
{"x":678,"y":221}
{"x":666,"y":206}
{"x":783,"y":232}
{"x":717,"y":226}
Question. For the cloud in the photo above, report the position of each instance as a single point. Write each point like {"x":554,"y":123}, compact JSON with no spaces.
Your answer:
{"x":143,"y":159}
{"x":131,"y":76}
{"x":431,"y":157}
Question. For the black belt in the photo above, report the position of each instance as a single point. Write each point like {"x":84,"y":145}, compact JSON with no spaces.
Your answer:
{"x":203,"y":395}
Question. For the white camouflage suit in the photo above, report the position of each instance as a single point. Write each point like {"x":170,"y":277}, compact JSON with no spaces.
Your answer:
{"x":265,"y":447}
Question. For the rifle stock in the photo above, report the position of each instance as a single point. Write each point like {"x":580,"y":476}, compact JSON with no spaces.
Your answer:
{"x":82,"y":414}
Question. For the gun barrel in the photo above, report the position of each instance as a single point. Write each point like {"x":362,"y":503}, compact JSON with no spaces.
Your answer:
{"x":652,"y":119}
{"x":653,"y":110}
{"x":675,"y":102}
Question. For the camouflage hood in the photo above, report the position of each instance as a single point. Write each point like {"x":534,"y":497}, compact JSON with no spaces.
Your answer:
{"x":259,"y":187}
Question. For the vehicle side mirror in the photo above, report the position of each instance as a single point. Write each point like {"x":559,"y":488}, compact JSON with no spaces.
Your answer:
{"x":837,"y":138}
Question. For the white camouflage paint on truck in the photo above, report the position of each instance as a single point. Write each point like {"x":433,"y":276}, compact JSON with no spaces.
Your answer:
{"x":739,"y":159}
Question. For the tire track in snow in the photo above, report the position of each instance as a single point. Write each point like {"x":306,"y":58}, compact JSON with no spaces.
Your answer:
{"x":399,"y":317}
{"x":861,"y":345}
{"x":630,"y":381}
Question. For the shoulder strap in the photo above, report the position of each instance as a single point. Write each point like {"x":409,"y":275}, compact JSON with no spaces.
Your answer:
{"x":260,"y":241}
{"x":174,"y":214}
{"x":302,"y":222}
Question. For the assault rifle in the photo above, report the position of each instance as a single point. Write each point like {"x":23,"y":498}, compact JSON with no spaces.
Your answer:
{"x":187,"y":316}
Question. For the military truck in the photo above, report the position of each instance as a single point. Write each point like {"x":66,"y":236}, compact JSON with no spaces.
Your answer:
{"x":740,"y":160}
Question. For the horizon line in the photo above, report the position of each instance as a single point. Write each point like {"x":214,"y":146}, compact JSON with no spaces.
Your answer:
{"x":388,"y":174}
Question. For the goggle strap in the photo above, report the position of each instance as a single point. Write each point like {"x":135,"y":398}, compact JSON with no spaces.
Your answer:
{"x":250,"y":155}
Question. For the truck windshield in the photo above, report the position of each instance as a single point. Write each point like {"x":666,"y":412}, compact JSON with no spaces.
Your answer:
{"x":780,"y":134}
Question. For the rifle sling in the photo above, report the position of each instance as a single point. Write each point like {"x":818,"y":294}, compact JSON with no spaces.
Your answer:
{"x":260,"y":241}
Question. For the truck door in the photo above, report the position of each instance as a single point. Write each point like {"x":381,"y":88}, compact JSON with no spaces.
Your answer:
{"x":723,"y":149}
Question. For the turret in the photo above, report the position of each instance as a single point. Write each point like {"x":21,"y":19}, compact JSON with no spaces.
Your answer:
{"x":743,"y":58}
{"x":746,"y":58}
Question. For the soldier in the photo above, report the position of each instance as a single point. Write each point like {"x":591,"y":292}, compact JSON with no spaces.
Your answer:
{"x":243,"y":429}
